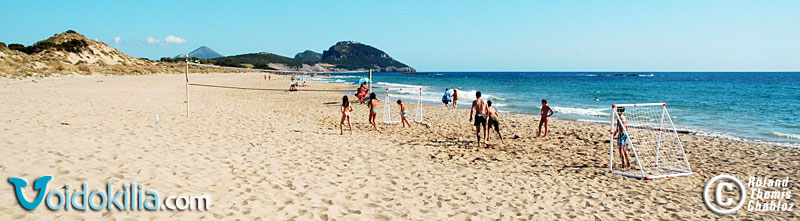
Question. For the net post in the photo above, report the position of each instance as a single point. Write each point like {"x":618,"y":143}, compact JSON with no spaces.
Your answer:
{"x":419,"y":106}
{"x":186,"y":75}
{"x":611,"y":132}
{"x":631,"y":145}
{"x":660,"y":132}
{"x":370,"y":80}
{"x":387,"y":117}
{"x":678,"y":139}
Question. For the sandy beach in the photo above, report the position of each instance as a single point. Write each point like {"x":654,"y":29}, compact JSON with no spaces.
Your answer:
{"x":275,"y":155}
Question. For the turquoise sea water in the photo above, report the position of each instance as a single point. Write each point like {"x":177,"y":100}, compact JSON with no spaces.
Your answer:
{"x":758,"y":107}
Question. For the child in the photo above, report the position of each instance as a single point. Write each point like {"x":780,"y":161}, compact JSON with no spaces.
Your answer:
{"x":494,"y":121}
{"x":546,"y":113}
{"x":622,"y":140}
{"x":346,"y":109}
{"x":373,"y":111}
{"x":403,"y":114}
{"x":455,"y":98}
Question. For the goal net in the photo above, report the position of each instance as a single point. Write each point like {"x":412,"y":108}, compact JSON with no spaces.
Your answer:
{"x":407,"y":95}
{"x":645,"y":137}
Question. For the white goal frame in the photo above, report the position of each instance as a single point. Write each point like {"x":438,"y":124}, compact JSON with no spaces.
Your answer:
{"x":387,"y":107}
{"x":665,"y":128}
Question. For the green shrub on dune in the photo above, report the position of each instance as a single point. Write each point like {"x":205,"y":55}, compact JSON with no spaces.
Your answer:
{"x":73,"y":46}
{"x":17,"y":47}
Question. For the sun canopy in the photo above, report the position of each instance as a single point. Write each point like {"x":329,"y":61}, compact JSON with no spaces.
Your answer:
{"x":362,"y":80}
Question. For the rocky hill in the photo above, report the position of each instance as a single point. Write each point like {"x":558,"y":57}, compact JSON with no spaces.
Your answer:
{"x":308,"y":55}
{"x":352,"y":55}
{"x":72,"y":53}
{"x":270,"y":61}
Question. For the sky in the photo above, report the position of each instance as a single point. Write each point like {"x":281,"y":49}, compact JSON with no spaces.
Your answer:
{"x":442,"y":35}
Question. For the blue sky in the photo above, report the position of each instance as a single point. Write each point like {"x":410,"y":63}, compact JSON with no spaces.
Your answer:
{"x":442,"y":35}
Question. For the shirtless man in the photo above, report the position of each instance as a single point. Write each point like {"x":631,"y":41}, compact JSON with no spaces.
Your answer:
{"x":479,"y":108}
{"x":546,"y":113}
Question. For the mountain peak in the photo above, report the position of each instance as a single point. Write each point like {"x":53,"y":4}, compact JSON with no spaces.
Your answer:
{"x":353,"y":55}
{"x":308,"y":55}
{"x":203,"y":52}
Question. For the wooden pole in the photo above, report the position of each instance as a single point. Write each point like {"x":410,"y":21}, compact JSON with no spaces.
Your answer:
{"x":187,"y":86}
{"x":370,"y":79}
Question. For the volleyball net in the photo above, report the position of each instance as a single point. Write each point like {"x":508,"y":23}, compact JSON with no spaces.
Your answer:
{"x":249,"y":79}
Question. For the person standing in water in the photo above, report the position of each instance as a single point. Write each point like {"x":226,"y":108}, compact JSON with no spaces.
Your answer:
{"x":479,"y":108}
{"x":373,"y":110}
{"x":446,"y":97}
{"x":346,"y":109}
{"x":455,"y":98}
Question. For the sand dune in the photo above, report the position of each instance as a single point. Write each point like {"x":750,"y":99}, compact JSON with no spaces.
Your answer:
{"x":274,"y":155}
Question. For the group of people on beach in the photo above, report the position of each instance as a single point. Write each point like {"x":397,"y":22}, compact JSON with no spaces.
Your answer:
{"x":448,"y":97}
{"x":486,"y":117}
{"x":301,"y":82}
{"x":372,"y":103}
{"x":482,"y":114}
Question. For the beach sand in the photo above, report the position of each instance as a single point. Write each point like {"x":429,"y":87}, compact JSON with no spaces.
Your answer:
{"x":274,"y":155}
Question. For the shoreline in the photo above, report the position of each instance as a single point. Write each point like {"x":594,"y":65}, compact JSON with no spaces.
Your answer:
{"x":686,"y":131}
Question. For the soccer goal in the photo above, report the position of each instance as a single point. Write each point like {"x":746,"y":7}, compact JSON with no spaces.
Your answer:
{"x":392,"y":95}
{"x":645,"y":136}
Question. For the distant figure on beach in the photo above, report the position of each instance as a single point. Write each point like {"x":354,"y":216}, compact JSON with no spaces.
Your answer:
{"x":361,"y":93}
{"x":596,"y":99}
{"x":346,"y":109}
{"x":622,"y":139}
{"x":292,"y":78}
{"x":494,"y":121}
{"x":546,"y":113}
{"x":403,"y":114}
{"x":455,"y":98}
{"x":479,"y":108}
{"x":446,"y":97}
{"x":292,"y":87}
{"x":373,"y":111}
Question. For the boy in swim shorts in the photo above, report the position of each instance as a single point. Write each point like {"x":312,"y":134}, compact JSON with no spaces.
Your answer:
{"x":494,"y":121}
{"x":622,"y":139}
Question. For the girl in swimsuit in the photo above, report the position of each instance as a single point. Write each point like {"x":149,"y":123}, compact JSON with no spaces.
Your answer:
{"x":373,"y":112}
{"x":403,"y":114}
{"x":346,"y":108}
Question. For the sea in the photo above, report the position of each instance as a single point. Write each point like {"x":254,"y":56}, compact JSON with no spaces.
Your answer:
{"x":758,"y":107}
